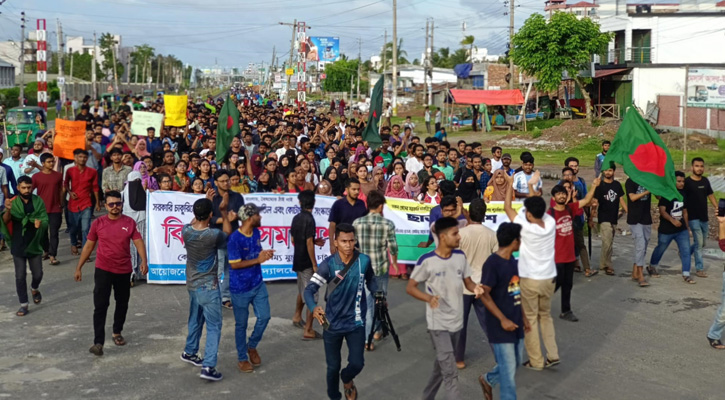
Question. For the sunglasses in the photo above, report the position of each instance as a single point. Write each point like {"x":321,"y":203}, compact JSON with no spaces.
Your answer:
{"x":115,"y":204}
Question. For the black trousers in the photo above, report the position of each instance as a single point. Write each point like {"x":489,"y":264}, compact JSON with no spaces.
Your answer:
{"x":21,"y":275}
{"x":469,"y":301}
{"x":565,"y":281}
{"x":438,"y":126}
{"x":121,"y":285}
{"x":50,"y":242}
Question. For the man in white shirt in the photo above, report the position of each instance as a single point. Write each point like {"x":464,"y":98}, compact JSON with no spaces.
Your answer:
{"x":438,"y":119}
{"x":285,"y":146}
{"x":522,"y":178}
{"x":32,"y":161}
{"x":537,"y":270}
{"x":415,"y":162}
{"x":496,"y":161}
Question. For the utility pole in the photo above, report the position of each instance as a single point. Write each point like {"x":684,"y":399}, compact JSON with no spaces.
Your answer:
{"x":61,"y":60}
{"x":22,"y":58}
{"x":684,"y":120}
{"x":511,"y":39}
{"x":425,"y":62}
{"x":291,"y":53}
{"x":430,"y":87}
{"x":158,"y":70}
{"x":115,"y":70}
{"x":70,"y":77}
{"x":135,"y":79}
{"x":395,"y":58}
{"x":359,"y":60}
{"x":385,"y":51}
{"x":271,"y":66}
{"x":94,"y":90}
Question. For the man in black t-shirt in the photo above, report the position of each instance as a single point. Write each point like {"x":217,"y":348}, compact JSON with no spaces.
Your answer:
{"x":347,"y":209}
{"x":505,"y":319}
{"x":698,"y":191}
{"x":673,"y":226}
{"x":303,"y":231}
{"x":640,"y":223}
{"x":610,"y":197}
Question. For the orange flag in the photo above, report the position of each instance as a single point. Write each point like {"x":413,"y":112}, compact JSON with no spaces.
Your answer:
{"x":69,"y":135}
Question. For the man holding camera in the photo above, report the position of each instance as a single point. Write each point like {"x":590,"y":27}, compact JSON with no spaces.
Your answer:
{"x":345,"y":273}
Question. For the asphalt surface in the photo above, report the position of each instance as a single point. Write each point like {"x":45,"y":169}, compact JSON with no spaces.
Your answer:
{"x":630,"y":343}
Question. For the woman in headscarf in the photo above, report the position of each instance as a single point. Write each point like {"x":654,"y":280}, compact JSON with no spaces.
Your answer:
{"x":396,"y":188}
{"x":379,"y":179}
{"x":468,"y":189}
{"x":412,"y":186}
{"x":324,"y":188}
{"x":134,"y":206}
{"x":140,"y":150}
{"x":496,"y":190}
{"x":286,"y":164}
{"x":333,"y":178}
{"x":148,"y":181}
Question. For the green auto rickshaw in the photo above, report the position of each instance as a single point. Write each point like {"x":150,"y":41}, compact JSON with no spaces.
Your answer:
{"x":23,"y":123}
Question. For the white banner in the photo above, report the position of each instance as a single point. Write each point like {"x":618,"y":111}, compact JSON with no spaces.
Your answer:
{"x":142,"y":120}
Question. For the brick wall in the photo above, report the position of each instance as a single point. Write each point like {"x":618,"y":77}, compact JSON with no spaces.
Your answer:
{"x":669,"y":116}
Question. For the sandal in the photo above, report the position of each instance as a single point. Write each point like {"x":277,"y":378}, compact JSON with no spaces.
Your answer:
{"x":652,"y":271}
{"x":351,"y":393}
{"x":716,"y":344}
{"x":701,"y":274}
{"x":37,"y":298}
{"x":299,"y":324}
{"x":591,"y":273}
{"x":689,"y":280}
{"x":227,"y":304}
{"x":577,"y":269}
{"x":23,"y":311}
{"x":643,"y":283}
{"x":118,"y":340}
{"x":54,"y":261}
{"x":528,"y":365}
{"x":609,"y":271}
{"x":404,"y":277}
{"x":316,"y":337}
{"x":551,"y":363}
{"x":74,"y":250}
{"x":370,"y":347}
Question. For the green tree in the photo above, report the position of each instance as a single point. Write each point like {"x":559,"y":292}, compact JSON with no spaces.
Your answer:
{"x":387,"y":54}
{"x":140,"y":57}
{"x":340,"y":74}
{"x":81,"y":66}
{"x":107,"y":43}
{"x":564,"y":44}
{"x":468,"y":41}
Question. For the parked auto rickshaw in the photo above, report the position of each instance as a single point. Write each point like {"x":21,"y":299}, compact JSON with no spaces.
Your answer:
{"x":23,"y":123}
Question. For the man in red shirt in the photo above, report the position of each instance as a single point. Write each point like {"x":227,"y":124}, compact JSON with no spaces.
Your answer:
{"x":565,"y":254}
{"x":80,"y":182}
{"x":49,"y":186}
{"x":114,"y":233}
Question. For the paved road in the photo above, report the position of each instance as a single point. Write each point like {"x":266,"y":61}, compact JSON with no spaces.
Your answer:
{"x":631,"y":343}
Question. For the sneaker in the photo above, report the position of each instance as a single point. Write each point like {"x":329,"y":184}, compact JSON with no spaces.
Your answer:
{"x":568,"y":316}
{"x":210,"y":374}
{"x":96,"y":349}
{"x":192,"y":359}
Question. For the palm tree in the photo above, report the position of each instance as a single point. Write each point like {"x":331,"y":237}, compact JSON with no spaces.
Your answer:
{"x":468,"y":41}
{"x":387,"y":54}
{"x":140,"y":58}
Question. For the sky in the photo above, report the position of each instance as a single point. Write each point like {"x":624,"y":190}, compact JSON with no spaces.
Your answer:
{"x":233,"y":33}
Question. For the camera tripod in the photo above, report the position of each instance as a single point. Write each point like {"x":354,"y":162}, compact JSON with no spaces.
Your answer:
{"x":381,"y":317}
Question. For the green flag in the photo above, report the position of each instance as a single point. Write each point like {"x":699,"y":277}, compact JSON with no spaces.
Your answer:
{"x":644,"y":155}
{"x":371,"y":134}
{"x":228,"y":128}
{"x":210,"y":107}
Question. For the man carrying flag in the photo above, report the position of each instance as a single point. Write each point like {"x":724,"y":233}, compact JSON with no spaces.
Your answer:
{"x":227,"y":128}
{"x":371,"y":133}
{"x":649,"y":166}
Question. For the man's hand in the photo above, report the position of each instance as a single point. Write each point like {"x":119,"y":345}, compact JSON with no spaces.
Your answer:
{"x":9,"y":204}
{"x":433,"y":302}
{"x":318,"y":313}
{"x":535,"y":178}
{"x":73,"y":195}
{"x":598,"y":180}
{"x":232,"y":215}
{"x":527,"y":326}
{"x":478,"y":291}
{"x":265,"y":255}
{"x":37,"y":224}
{"x":144,"y":268}
{"x":319,"y":242}
{"x":423,"y":245}
{"x":509,"y":325}
{"x":210,"y":193}
{"x":719,"y":219}
{"x":225,"y":202}
{"x":78,"y":275}
{"x":676,"y":223}
{"x":98,"y":206}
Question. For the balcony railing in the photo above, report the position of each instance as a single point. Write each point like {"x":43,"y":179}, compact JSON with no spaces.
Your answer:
{"x":637,"y":55}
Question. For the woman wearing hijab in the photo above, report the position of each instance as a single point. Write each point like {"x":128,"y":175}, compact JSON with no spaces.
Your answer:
{"x":148,"y":181}
{"x":134,"y":206}
{"x":140,"y":150}
{"x":324,"y":188}
{"x":334,"y":178}
{"x":396,"y":188}
{"x":412,"y":186}
{"x":468,"y":189}
{"x":496,"y":190}
{"x":379,"y":179}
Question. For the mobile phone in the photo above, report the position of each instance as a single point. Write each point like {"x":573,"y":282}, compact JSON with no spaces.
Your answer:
{"x":721,"y":208}
{"x":325,"y":323}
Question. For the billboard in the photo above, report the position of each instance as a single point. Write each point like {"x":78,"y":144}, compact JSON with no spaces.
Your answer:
{"x":706,"y":88}
{"x":323,"y":48}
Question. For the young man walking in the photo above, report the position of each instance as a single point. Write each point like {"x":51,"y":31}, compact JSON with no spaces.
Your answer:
{"x":114,"y":233}
{"x":599,"y":159}
{"x":506,"y":323}
{"x":27,"y":217}
{"x":445,"y":272}
{"x":346,"y":273}
{"x":610,"y":197}
{"x":478,"y":242}
{"x":202,"y":282}
{"x":49,"y":186}
{"x":246,"y":285}
{"x":673,"y":226}
{"x":698,"y":192}
{"x":639,"y":219}
{"x":564,"y":212}
{"x":234,"y":202}
{"x":80,"y":182}
{"x":347,"y":209}
{"x":376,"y":236}
{"x":579,"y":220}
{"x":303,"y":231}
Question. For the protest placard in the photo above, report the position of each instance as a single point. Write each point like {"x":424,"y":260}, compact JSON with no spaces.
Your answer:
{"x":69,"y":135}
{"x":142,"y":120}
{"x":175,"y":107}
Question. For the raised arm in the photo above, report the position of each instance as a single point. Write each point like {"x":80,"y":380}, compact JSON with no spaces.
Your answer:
{"x":510,"y":212}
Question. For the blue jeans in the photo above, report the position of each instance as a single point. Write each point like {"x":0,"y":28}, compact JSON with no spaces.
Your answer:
{"x":259,"y":299}
{"x":682,"y":239}
{"x":508,"y":359}
{"x":223,"y":273}
{"x":699,"y":234}
{"x":80,"y":222}
{"x":382,"y":282}
{"x":355,"y":358}
{"x":719,"y":324}
{"x":205,"y":306}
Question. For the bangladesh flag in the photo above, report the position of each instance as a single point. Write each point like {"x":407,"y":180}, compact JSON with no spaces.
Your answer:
{"x":645,"y":157}
{"x":371,"y":133}
{"x":228,"y":128}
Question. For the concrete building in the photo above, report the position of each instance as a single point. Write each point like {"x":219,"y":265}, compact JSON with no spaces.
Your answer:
{"x":10,"y":52}
{"x":7,"y":74}
{"x":80,"y":45}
